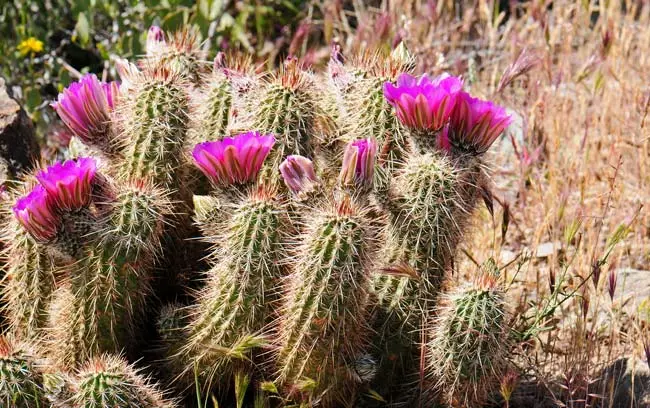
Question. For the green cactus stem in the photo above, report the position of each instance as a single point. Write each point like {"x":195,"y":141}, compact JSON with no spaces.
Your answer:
{"x":323,"y":328}
{"x":468,"y":345}
{"x":154,"y":115}
{"x":29,"y":282}
{"x":108,"y":286}
{"x":109,"y":381}
{"x":20,"y":378}
{"x":236,"y":303}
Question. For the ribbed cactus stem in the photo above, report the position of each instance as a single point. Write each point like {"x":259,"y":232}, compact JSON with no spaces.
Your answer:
{"x":430,"y":203}
{"x":109,"y":381}
{"x":181,"y":54}
{"x":136,"y":221}
{"x":469,"y":342}
{"x":370,"y":115}
{"x":323,"y":323}
{"x":364,"y":111}
{"x":212,"y":110}
{"x":288,"y":108}
{"x":429,"y":209}
{"x":236,"y":303}
{"x":209,"y":215}
{"x":29,"y":283}
{"x":155,"y":121}
{"x":21,"y":382}
{"x":108,"y":286}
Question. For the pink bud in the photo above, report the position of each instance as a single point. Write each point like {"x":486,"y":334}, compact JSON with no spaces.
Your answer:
{"x":359,"y":163}
{"x":155,"y":40}
{"x":298,"y":174}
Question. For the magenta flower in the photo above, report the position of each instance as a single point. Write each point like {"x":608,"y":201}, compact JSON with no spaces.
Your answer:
{"x":442,"y":142}
{"x":85,"y":107}
{"x":475,"y":124}
{"x":298,"y":174}
{"x":155,"y":40}
{"x":36,"y":214}
{"x":422,"y":103}
{"x":234,"y":160}
{"x":112,"y":92}
{"x":359,"y":163}
{"x":69,"y":184}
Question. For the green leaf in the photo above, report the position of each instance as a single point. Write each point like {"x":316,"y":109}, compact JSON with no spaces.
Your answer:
{"x":242,"y":381}
{"x":269,"y":386}
{"x":571,"y":230}
{"x":82,"y":30}
{"x":32,"y":99}
{"x":375,"y":395}
{"x":210,"y":9}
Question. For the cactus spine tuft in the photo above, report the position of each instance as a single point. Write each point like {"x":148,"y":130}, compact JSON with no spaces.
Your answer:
{"x":109,"y":381}
{"x":20,"y":378}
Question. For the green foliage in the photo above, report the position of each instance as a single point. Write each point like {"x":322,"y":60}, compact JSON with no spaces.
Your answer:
{"x":86,"y":34}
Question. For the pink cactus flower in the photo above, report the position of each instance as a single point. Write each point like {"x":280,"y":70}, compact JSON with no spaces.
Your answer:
{"x":85,"y":107}
{"x":69,"y":184}
{"x":359,"y":163}
{"x":423,"y":103}
{"x":298,"y":174}
{"x":475,"y":124}
{"x":36,"y":214}
{"x":234,"y":160}
{"x":155,"y":40}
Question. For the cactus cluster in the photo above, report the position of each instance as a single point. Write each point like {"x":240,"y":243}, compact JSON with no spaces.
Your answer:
{"x":331,"y":206}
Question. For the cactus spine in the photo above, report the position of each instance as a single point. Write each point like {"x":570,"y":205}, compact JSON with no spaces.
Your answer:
{"x":29,"y":283}
{"x":20,"y":378}
{"x":468,"y":342}
{"x":180,"y":53}
{"x":107,"y":287}
{"x":428,"y":212}
{"x":288,"y":109}
{"x":323,"y":322}
{"x":363,"y":109}
{"x":154,"y":116}
{"x":212,"y":110}
{"x":108,"y":381}
{"x":235,"y":305}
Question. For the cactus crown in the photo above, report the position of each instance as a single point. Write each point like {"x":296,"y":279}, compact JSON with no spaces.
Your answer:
{"x":108,"y":381}
{"x":20,"y":379}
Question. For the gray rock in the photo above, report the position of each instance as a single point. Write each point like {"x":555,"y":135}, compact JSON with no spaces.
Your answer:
{"x":546,"y":249}
{"x":626,"y":384}
{"x":18,"y":147}
{"x":632,"y":284}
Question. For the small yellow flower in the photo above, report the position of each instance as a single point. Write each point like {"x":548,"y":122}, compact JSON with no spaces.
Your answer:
{"x":30,"y":46}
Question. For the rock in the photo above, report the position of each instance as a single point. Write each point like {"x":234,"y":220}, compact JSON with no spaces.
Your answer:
{"x":626,"y":383}
{"x":546,"y":249}
{"x":18,"y":147}
{"x":632,"y":284}
{"x":507,"y":256}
